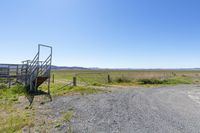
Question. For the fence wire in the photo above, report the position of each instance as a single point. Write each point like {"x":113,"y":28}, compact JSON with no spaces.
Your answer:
{"x":91,"y":78}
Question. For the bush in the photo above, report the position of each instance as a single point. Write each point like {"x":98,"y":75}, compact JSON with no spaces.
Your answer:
{"x":123,"y":80}
{"x":165,"y":81}
{"x":97,"y":84}
{"x":3,"y":86}
{"x":151,"y":81}
{"x":12,"y":93}
{"x":18,"y":89}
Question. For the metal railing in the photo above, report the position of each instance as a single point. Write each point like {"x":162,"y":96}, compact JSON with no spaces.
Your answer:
{"x":37,"y":68}
{"x":33,"y":65}
{"x":45,"y":67}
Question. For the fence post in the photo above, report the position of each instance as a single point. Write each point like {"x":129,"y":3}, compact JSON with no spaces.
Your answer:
{"x":53,"y":79}
{"x":74,"y":81}
{"x":109,"y":79}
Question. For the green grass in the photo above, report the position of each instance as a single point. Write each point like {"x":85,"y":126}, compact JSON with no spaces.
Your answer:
{"x":13,"y":119}
{"x":67,"y":116}
{"x":11,"y":94}
{"x":100,"y":77}
{"x":59,"y":90}
{"x":15,"y":122}
{"x":3,"y":86}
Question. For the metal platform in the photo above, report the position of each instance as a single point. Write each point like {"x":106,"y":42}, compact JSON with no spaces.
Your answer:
{"x":31,"y":73}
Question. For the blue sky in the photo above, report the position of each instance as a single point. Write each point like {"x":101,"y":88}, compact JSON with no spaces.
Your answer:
{"x":103,"y":33}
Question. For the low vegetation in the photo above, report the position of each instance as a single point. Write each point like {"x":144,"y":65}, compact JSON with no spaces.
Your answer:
{"x":128,"y":77}
{"x":11,"y":94}
{"x":67,"y":116}
{"x":165,"y":81}
{"x":122,"y":80}
{"x":3,"y":86}
{"x":61,"y":89}
{"x":12,"y":119}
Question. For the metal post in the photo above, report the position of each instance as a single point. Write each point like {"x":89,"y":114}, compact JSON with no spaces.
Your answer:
{"x":17,"y":73}
{"x":8,"y":73}
{"x":49,"y":73}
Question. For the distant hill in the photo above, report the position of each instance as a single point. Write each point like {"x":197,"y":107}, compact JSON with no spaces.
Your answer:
{"x":68,"y":68}
{"x":96,"y":68}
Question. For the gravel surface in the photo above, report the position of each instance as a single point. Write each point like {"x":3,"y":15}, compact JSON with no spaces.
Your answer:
{"x":144,"y":110}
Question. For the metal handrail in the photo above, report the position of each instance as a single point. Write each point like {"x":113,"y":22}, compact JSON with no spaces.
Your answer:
{"x":46,"y":64}
{"x":48,"y":58}
{"x":36,"y":56}
{"x":33,"y":62}
{"x":45,"y":70}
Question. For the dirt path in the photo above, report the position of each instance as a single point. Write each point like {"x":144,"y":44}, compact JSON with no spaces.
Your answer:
{"x":167,"y":109}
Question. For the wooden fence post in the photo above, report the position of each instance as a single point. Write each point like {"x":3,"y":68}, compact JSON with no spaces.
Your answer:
{"x":53,"y":80}
{"x":74,"y":81}
{"x":109,"y":79}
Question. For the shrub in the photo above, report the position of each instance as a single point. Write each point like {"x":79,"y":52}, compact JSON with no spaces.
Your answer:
{"x":123,"y":80}
{"x":151,"y":81}
{"x":165,"y":81}
{"x":18,"y":89}
{"x":3,"y":86}
{"x":97,"y":84}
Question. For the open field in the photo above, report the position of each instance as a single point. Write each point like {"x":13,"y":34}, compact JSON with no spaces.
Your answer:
{"x":16,"y":114}
{"x":125,"y":77}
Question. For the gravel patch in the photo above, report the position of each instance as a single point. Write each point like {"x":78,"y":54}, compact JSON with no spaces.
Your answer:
{"x":127,"y":110}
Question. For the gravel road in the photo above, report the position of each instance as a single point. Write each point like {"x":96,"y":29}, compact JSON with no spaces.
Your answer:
{"x":147,"y":110}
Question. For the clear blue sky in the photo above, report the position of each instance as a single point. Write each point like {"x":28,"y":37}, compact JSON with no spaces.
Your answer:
{"x":103,"y":33}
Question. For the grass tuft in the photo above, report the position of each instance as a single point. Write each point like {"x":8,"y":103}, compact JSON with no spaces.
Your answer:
{"x":12,"y":119}
{"x":68,"y":116}
{"x":14,"y":123}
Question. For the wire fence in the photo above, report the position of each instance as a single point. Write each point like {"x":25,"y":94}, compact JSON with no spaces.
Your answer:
{"x":91,"y":78}
{"x":87,"y":78}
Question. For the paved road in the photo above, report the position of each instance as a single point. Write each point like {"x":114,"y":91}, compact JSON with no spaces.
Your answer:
{"x":155,"y":110}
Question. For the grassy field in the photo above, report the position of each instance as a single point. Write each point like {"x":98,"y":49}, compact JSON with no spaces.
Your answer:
{"x":127,"y":77}
{"x":14,"y":117}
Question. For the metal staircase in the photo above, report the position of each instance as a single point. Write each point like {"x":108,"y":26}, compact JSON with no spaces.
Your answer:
{"x":34,"y":73}
{"x":31,"y":73}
